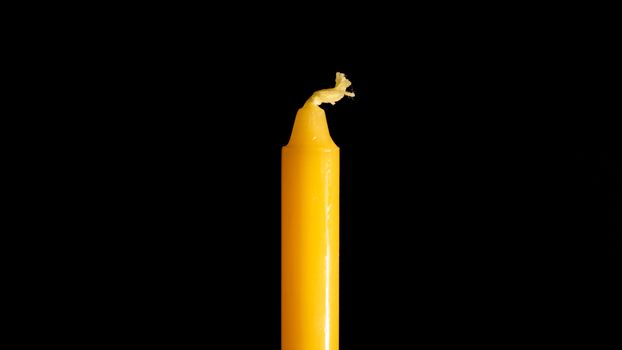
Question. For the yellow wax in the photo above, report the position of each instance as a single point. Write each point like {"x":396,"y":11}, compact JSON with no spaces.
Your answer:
{"x":310,"y":229}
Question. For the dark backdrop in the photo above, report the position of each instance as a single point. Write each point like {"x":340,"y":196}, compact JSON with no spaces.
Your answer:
{"x":480,"y":181}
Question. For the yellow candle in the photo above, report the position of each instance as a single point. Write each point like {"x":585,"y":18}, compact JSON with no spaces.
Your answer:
{"x":310,"y":228}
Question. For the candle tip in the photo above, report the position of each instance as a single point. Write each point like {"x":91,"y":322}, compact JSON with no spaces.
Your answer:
{"x":334,"y":94}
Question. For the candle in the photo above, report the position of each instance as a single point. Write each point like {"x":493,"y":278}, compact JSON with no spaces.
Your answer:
{"x":310,"y":228}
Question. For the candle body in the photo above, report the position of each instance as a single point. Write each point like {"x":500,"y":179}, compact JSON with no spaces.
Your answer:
{"x":310,"y":236}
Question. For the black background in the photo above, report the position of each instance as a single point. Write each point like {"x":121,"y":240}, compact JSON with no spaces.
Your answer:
{"x":480,"y":179}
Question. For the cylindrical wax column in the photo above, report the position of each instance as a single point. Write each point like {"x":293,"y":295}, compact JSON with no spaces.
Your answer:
{"x":310,"y":229}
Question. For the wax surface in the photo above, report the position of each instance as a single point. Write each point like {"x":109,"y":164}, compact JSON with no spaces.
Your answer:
{"x":310,"y":235}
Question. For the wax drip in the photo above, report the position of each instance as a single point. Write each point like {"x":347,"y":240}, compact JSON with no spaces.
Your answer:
{"x":332,"y":95}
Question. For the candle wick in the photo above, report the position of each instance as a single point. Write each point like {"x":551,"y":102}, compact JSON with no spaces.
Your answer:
{"x":332,"y":95}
